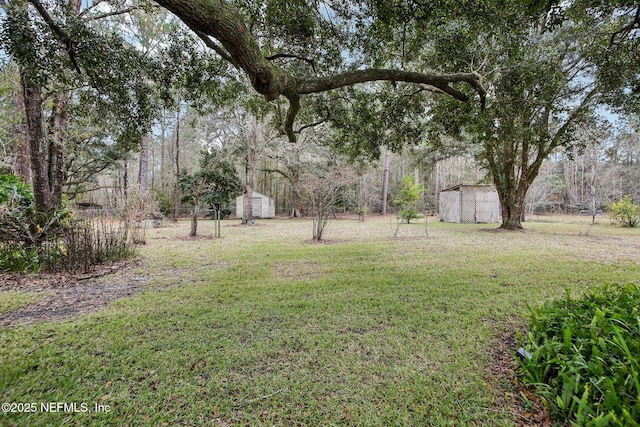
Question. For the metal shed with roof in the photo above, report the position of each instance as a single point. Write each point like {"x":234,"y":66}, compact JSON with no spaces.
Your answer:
{"x":469,"y":204}
{"x":262,"y":206}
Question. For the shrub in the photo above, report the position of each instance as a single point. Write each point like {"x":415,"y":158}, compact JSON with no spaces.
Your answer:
{"x":138,"y":206}
{"x":407,"y":198}
{"x":18,"y":259}
{"x":624,"y":212}
{"x":32,"y":241}
{"x":585,"y":357}
{"x":14,"y":192}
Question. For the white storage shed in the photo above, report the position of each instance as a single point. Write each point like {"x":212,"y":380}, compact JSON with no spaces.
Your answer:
{"x":469,"y":204}
{"x":262,"y":206}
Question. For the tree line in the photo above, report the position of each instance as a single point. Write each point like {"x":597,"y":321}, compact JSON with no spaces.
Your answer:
{"x":89,"y":87}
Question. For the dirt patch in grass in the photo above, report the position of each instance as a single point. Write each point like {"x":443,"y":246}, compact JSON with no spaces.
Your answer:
{"x":299,"y":271}
{"x":196,"y":237}
{"x":512,"y":396}
{"x":505,"y":231}
{"x":66,"y":295}
{"x":324,"y":241}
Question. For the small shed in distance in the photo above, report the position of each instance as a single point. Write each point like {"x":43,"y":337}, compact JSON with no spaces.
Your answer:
{"x":262,"y":206}
{"x":469,"y":204}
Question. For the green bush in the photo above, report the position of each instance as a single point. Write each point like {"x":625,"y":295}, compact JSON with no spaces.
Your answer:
{"x":624,"y":212}
{"x":18,"y":259}
{"x":585,"y":357}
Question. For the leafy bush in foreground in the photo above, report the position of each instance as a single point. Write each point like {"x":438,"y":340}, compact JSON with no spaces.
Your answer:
{"x":32,"y":241}
{"x":585,"y":357}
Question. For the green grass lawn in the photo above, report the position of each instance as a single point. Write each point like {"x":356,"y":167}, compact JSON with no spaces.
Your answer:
{"x":262,"y":327}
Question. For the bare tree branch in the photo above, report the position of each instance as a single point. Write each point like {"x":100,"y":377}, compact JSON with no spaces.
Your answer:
{"x":326,"y":119}
{"x":90,"y":8}
{"x":287,"y":55}
{"x":217,"y":49}
{"x":281,"y":172}
{"x":114,"y":13}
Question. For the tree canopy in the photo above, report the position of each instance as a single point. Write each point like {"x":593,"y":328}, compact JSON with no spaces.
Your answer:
{"x":329,"y":30}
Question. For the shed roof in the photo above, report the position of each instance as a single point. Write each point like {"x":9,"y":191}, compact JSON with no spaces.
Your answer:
{"x":255,"y":194}
{"x":459,"y":186}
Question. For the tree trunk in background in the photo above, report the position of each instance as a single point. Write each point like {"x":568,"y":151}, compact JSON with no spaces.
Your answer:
{"x":56,"y":147}
{"x":22,"y":167}
{"x":294,"y":181}
{"x":385,"y":179}
{"x":436,"y":187}
{"x":125,"y":179}
{"x":163,"y":147}
{"x":32,"y":97}
{"x":592,"y":188}
{"x":250,"y":164}
{"x":176,"y":191}
{"x":144,"y":164}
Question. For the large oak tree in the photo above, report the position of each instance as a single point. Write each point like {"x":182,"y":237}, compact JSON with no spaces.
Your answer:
{"x":545,"y":73}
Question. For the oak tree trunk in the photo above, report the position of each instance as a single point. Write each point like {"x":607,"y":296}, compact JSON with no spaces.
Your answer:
{"x":56,"y":147}
{"x":32,"y":97}
{"x":511,"y":216}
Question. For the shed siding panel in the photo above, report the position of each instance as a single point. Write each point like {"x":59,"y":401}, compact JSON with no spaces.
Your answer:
{"x":487,"y":207}
{"x":470,"y":204}
{"x":450,"y":206}
{"x":256,"y":207}
{"x":468,"y":209}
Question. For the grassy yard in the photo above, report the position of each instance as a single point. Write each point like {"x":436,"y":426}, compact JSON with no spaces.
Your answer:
{"x":262,"y":327}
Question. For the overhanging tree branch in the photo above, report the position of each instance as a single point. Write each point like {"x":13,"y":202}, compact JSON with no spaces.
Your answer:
{"x":439,"y":81}
{"x":217,"y":49}
{"x":222,"y":21}
{"x":64,"y":38}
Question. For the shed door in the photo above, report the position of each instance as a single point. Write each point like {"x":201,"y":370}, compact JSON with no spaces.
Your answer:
{"x":257,"y":207}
